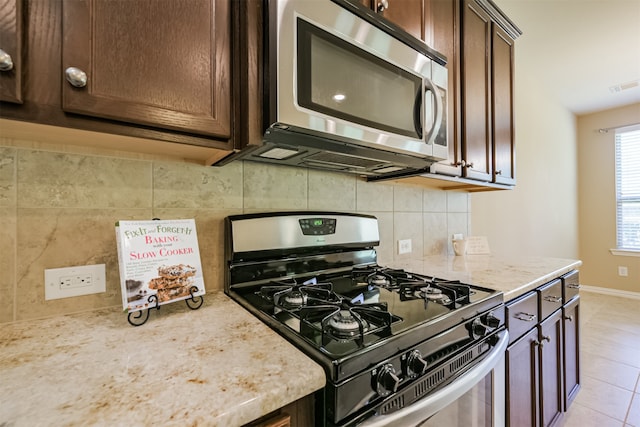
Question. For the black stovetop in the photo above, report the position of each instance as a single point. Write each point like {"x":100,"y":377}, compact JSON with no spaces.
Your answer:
{"x":367,"y":312}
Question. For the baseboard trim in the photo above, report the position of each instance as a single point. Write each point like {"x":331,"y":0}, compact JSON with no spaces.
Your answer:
{"x":609,"y":291}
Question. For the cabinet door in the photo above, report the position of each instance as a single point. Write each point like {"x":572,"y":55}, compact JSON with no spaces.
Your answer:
{"x":476,"y":92}
{"x":446,"y":40}
{"x":410,"y":15}
{"x":550,"y":367}
{"x":502,"y":48}
{"x":522,"y":382}
{"x":162,"y":63}
{"x":11,"y":45}
{"x":571,"y":332}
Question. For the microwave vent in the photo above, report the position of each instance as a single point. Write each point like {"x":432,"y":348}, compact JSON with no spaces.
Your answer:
{"x":343,"y":160}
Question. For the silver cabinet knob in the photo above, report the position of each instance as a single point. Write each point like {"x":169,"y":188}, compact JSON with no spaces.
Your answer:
{"x":382,"y":5}
{"x":76,"y":77}
{"x":460,"y":163}
{"x":498,"y":172}
{"x":6,"y":63}
{"x":469,"y":165}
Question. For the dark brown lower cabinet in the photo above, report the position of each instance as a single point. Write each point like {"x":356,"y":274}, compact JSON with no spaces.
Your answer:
{"x":534,"y":375}
{"x":550,"y":367}
{"x":571,"y":331}
{"x":522,"y":381}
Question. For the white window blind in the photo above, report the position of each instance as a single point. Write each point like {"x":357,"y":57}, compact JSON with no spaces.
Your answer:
{"x":628,"y":187}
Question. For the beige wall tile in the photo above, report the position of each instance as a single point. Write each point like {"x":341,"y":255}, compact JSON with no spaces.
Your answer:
{"x":408,"y":226}
{"x":7,"y":176}
{"x":434,"y":200}
{"x":53,"y":238}
{"x":374,"y":197}
{"x":407,"y":199}
{"x":48,"y":179}
{"x":64,"y":207}
{"x":457,"y":201}
{"x":332,"y":191}
{"x":184,"y":185}
{"x":435,"y":233}
{"x":7,"y":263}
{"x":268,"y":187}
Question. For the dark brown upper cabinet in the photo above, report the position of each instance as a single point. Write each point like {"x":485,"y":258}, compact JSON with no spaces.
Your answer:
{"x":158,"y":63}
{"x":504,"y":159}
{"x":158,"y":70}
{"x":413,"y":16}
{"x":11,"y":51}
{"x":487,"y":55}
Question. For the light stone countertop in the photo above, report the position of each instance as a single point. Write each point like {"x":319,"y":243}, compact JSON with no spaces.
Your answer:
{"x":216,"y":366}
{"x":514,"y":276}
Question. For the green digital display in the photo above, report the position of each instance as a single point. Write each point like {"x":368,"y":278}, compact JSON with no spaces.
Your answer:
{"x":317,"y":226}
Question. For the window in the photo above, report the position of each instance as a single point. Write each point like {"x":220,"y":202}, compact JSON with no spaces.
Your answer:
{"x":628,"y":187}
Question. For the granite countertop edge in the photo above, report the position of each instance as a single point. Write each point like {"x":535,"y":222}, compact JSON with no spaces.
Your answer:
{"x":215,"y":366}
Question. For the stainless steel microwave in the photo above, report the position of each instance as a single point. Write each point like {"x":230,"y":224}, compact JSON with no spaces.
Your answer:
{"x":347,"y":91}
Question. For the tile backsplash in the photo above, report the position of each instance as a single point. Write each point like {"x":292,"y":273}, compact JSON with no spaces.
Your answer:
{"x":59,"y":208}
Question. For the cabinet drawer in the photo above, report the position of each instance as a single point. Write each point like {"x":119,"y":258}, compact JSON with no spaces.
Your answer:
{"x":550,"y":298}
{"x":570,"y":286}
{"x":522,"y":315}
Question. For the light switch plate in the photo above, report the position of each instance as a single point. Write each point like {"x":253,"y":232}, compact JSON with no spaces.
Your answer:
{"x":74,"y":281}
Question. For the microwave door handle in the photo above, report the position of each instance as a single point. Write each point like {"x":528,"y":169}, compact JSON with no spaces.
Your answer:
{"x":417,"y":116}
{"x":429,"y":86}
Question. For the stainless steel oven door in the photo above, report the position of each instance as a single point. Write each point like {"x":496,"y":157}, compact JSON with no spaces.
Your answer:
{"x":476,"y":398}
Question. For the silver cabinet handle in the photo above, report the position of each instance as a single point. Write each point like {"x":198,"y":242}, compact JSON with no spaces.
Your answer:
{"x":498,"y":172}
{"x":382,"y":5}
{"x":573,"y":286}
{"x":469,"y":165}
{"x":6,"y":63}
{"x":541,"y":342}
{"x":525,"y":317}
{"x":460,"y":163}
{"x":551,"y":298}
{"x":569,"y":318}
{"x":76,"y":77}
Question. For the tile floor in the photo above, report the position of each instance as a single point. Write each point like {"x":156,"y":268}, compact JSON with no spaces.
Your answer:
{"x":610,"y":393}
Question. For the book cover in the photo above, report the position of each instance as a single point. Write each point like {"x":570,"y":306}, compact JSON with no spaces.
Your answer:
{"x":158,"y":258}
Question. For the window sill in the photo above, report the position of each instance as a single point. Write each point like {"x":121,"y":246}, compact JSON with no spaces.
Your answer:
{"x":625,"y":252}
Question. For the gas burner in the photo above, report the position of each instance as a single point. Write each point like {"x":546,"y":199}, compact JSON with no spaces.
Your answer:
{"x":346,"y":324}
{"x":377,"y":279}
{"x":345,"y":321}
{"x":379,"y":276}
{"x":433,"y":294}
{"x":293,"y":297}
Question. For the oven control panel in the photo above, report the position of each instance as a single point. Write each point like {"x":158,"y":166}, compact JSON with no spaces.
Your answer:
{"x":317,"y":226}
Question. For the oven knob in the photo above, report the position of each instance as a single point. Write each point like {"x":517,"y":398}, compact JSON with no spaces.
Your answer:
{"x":416,"y":365}
{"x":387,"y":381}
{"x":478,"y":330}
{"x":491,"y":321}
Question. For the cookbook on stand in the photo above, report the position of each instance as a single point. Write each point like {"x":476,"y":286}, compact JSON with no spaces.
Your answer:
{"x":159,"y":262}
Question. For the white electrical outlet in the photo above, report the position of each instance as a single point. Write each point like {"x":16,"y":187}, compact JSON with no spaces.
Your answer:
{"x":622,"y":271}
{"x":74,"y":281}
{"x":404,"y":246}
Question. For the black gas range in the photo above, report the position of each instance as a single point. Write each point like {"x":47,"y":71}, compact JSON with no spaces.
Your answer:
{"x":386,"y":337}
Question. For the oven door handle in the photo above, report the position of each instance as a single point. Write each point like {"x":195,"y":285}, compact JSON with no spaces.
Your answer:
{"x":438,"y":400}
